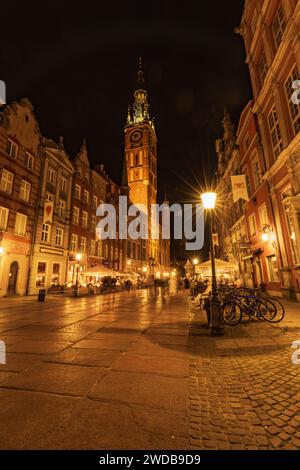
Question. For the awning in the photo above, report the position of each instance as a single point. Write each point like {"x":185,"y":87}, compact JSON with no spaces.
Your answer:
{"x":101,"y":271}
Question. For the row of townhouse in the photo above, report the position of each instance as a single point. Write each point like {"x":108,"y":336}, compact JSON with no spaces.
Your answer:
{"x":263,"y":233}
{"x":48,"y":208}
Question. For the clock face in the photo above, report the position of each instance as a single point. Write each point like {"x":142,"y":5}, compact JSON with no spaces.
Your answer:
{"x":136,"y":136}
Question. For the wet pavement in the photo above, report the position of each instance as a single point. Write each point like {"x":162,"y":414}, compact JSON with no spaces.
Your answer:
{"x":139,"y":370}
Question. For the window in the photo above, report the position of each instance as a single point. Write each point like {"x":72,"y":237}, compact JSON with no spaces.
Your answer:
{"x":61,"y":208}
{"x":41,"y":275}
{"x":256,"y":173}
{"x":95,"y":202}
{"x":77,"y":194}
{"x":3,"y":217}
{"x":29,"y":161}
{"x":25,"y":190}
{"x":7,"y":180}
{"x":275,"y":132}
{"x":45,"y":233}
{"x":83,"y":244}
{"x":86,"y":196}
{"x":50,"y":197}
{"x":51,"y":176}
{"x":59,"y":237}
{"x":75,"y":215}
{"x":263,"y":215}
{"x":294,"y":108}
{"x":12,"y":149}
{"x":63,"y":184}
{"x":106,"y":251}
{"x":20,"y":224}
{"x":248,"y":184}
{"x":55,"y":274}
{"x":252,"y":225}
{"x":79,"y":172}
{"x":278,"y":26}
{"x":136,"y":159}
{"x":291,"y":218}
{"x":93,"y":224}
{"x":84,"y":219}
{"x":92,"y":248}
{"x":74,"y":242}
{"x":262,"y":67}
{"x":272,"y":268}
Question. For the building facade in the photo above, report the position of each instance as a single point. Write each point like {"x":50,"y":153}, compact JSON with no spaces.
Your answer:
{"x":268,"y":139}
{"x":20,"y":172}
{"x":49,"y":260}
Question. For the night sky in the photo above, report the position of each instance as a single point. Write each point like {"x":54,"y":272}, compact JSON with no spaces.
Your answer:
{"x":78,"y":64}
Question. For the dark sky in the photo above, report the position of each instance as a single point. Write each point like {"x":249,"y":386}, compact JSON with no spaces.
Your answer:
{"x":77,"y":65}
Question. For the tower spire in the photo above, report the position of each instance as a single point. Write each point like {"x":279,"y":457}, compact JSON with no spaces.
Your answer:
{"x":140,"y":78}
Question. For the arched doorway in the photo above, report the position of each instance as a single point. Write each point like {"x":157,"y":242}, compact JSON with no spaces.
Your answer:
{"x":12,"y":278}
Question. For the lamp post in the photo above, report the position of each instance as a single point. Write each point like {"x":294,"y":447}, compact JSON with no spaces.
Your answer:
{"x":78,"y":258}
{"x":209,"y":203}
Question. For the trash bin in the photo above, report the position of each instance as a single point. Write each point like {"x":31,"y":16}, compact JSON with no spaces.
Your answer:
{"x":41,"y":295}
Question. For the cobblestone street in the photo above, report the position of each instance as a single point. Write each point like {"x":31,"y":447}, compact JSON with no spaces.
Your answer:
{"x":138,"y":370}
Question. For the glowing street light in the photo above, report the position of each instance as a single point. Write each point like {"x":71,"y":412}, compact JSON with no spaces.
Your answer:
{"x":1,"y":250}
{"x":195,"y":261}
{"x":209,"y":200}
{"x":209,"y":203}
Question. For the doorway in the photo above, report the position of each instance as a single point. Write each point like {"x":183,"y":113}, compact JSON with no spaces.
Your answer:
{"x":12,"y":278}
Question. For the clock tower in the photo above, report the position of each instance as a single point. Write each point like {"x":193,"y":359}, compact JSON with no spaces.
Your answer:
{"x":141,"y":148}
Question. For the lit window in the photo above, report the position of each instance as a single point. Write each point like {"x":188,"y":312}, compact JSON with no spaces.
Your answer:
{"x":93,"y":223}
{"x":294,"y":108}
{"x":75,"y":215}
{"x":46,"y":233}
{"x":12,"y":149}
{"x":95,"y":202}
{"x":84,"y":219}
{"x":51,"y":176}
{"x":263,"y":215}
{"x":59,"y":237}
{"x":29,"y":161}
{"x":61,"y":208}
{"x":3,"y":217}
{"x":278,"y":26}
{"x":256,"y":173}
{"x":74,"y":242}
{"x":85,"y":196}
{"x":262,"y":67}
{"x":25,"y":190}
{"x":20,"y":224}
{"x":55,"y":274}
{"x":41,"y":275}
{"x":63,"y":184}
{"x":77,"y":194}
{"x":252,"y":225}
{"x":83,"y":244}
{"x":7,"y":180}
{"x":272,"y":268}
{"x":50,"y":197}
{"x":275,"y":132}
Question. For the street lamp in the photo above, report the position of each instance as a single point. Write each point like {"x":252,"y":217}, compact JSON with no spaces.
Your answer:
{"x":78,"y":257}
{"x":209,"y":203}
